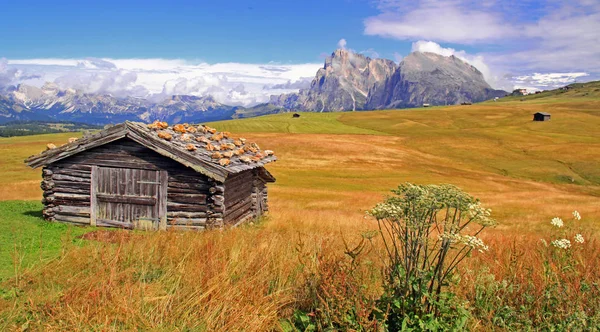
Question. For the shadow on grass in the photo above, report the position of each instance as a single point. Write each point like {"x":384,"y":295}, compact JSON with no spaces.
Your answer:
{"x":34,"y":213}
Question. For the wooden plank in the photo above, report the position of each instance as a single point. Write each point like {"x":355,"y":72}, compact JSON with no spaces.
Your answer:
{"x":125,"y":199}
{"x":72,"y":190}
{"x":185,"y":228}
{"x":234,"y":214}
{"x":113,"y":223}
{"x":75,"y":197}
{"x":79,"y":211}
{"x":188,"y":222}
{"x":186,"y":207}
{"x":162,"y":200}
{"x":233,"y":207}
{"x":54,"y":155}
{"x":73,"y":219}
{"x":61,"y":177}
{"x":187,"y":198}
{"x":185,"y":215}
{"x":195,"y":186}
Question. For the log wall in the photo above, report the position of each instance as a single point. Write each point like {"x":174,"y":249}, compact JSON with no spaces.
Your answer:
{"x":66,"y":185}
{"x":244,"y":197}
{"x":194,"y":201}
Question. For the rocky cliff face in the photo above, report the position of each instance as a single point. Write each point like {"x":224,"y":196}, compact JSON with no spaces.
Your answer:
{"x":433,"y":79}
{"x":350,"y":81}
{"x":342,"y":84}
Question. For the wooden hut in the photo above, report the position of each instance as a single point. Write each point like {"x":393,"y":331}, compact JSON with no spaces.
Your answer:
{"x":135,"y":175}
{"x":541,"y":116}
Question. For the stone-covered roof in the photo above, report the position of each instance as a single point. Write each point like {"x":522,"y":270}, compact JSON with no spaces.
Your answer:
{"x":215,"y":154}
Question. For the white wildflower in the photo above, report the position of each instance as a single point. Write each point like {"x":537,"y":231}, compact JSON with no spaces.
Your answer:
{"x":557,"y":222}
{"x":576,"y":215}
{"x":481,"y":215}
{"x":468,"y":240}
{"x":579,"y":238}
{"x":562,"y":244}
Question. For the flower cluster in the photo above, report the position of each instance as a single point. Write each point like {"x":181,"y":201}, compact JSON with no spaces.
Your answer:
{"x":557,"y":222}
{"x":562,"y":244}
{"x":468,"y":240}
{"x":481,"y":215}
{"x":386,"y":211}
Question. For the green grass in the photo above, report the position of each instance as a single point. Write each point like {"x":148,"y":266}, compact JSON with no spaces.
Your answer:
{"x":27,"y":239}
{"x":307,"y":123}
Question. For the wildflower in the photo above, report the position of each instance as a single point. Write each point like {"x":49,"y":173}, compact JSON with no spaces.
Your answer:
{"x":579,"y":238}
{"x":562,"y":244}
{"x":576,"y":215}
{"x":557,"y":222}
{"x":468,"y":240}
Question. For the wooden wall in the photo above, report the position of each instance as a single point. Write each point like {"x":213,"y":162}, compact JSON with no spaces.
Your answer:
{"x":66,"y":185}
{"x":194,"y":201}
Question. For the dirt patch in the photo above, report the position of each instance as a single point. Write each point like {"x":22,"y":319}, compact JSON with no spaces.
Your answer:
{"x":107,"y":236}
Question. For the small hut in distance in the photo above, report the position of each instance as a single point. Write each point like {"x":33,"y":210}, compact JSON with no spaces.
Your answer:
{"x":155,"y":176}
{"x":541,"y":116}
{"x":296,"y":115}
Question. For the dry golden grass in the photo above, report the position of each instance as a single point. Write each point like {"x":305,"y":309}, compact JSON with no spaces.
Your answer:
{"x":251,"y":277}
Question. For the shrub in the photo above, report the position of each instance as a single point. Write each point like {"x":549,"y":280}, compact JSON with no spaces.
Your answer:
{"x":428,"y":230}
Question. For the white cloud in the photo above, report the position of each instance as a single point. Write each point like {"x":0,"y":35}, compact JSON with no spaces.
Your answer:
{"x":539,"y":81}
{"x":445,"y":21}
{"x":342,"y":43}
{"x":229,"y":83}
{"x":527,"y":37}
{"x":370,"y":53}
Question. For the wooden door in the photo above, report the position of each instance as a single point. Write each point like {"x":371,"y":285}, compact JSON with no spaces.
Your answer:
{"x":128,"y":198}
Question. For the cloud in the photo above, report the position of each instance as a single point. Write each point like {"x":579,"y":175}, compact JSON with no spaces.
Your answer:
{"x":370,"y":53}
{"x":228,"y":83}
{"x":7,"y":75}
{"x":302,"y":83}
{"x":514,"y":38}
{"x":342,"y":43}
{"x":446,"y":21}
{"x":547,"y":81}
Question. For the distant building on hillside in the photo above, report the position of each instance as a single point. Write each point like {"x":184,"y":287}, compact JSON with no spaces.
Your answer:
{"x":426,"y":105}
{"x":541,"y":116}
{"x":519,"y":92}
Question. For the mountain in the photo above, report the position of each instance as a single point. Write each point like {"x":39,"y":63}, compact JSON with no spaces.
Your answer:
{"x":341,"y":85}
{"x":347,"y":82}
{"x":51,"y":103}
{"x":350,"y":81}
{"x":433,"y":79}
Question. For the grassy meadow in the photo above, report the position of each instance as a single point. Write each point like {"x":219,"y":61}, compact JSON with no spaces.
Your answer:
{"x":290,"y":271}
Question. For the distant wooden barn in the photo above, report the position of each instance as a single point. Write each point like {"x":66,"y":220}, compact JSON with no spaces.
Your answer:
{"x":134,"y":175}
{"x":296,"y":115}
{"x":541,"y":116}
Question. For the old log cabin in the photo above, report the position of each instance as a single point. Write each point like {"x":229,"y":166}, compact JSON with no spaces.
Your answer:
{"x":154,"y":176}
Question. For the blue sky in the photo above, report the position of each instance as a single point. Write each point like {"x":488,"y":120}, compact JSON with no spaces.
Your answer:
{"x":224,"y":47}
{"x":213,"y":31}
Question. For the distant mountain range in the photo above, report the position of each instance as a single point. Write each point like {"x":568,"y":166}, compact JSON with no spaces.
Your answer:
{"x":347,"y":82}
